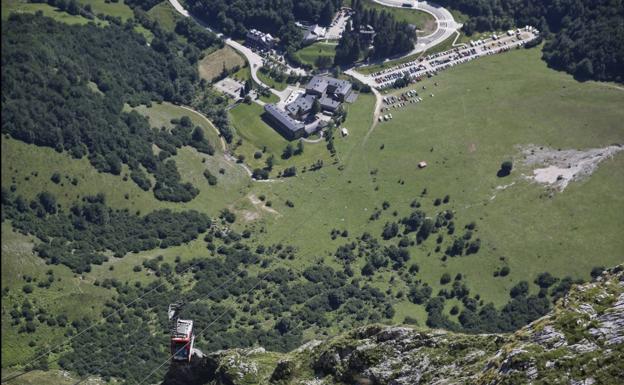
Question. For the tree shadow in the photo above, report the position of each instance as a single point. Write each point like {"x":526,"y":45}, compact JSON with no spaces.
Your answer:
{"x":502,"y":173}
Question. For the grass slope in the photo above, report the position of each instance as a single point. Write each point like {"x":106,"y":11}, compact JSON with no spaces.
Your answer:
{"x":480,"y":113}
{"x":21,"y":6}
{"x":424,"y":21}
{"x":212,"y":65}
{"x":490,"y":105}
{"x":69,"y":293}
{"x":311,"y":53}
{"x":165,"y":14}
{"x":256,"y":134}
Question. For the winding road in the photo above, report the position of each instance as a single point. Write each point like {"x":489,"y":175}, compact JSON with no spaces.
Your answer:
{"x":445,"y":27}
{"x":445,"y":23}
{"x":255,"y":60}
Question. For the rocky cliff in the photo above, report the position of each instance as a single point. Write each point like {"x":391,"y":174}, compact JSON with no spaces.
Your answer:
{"x":580,"y":342}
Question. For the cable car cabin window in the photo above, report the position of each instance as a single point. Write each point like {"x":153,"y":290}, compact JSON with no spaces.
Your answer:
{"x":180,"y":351}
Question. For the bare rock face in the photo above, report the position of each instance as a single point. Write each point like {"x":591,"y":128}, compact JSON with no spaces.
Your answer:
{"x":581,"y":342}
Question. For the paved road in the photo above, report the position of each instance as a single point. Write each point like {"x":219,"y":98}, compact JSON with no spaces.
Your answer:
{"x":255,"y":60}
{"x":445,"y":23}
{"x":442,"y":60}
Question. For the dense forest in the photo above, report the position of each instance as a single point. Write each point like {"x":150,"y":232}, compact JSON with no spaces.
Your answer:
{"x":64,"y":86}
{"x":391,"y":37}
{"x":584,"y":38}
{"x":82,"y":234}
{"x":243,"y":293}
{"x":235,"y":18}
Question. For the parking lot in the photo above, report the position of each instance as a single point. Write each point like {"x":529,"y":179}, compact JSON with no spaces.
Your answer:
{"x":230,"y":87}
{"x":338,"y":25}
{"x":429,"y":65}
{"x":395,"y":102}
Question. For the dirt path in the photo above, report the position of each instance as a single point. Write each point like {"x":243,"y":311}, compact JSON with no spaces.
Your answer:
{"x":376,"y":113}
{"x":259,"y":204}
{"x":223,"y":145}
{"x":226,"y":153}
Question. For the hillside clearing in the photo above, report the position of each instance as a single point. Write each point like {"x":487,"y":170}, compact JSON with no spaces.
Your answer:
{"x":212,"y":65}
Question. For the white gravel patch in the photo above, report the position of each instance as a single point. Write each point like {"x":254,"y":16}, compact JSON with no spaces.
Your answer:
{"x":561,"y":167}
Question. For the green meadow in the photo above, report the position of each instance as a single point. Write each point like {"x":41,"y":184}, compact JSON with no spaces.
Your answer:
{"x":424,"y":21}
{"x":21,"y":6}
{"x":311,"y":53}
{"x":481,"y":113}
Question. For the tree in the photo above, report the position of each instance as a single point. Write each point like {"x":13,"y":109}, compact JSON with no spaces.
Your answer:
{"x":290,"y":171}
{"x":445,"y":278}
{"x":198,"y":134}
{"x":597,"y":271}
{"x":48,"y":201}
{"x":212,"y":180}
{"x":299,"y":149}
{"x":505,"y":168}
{"x":327,"y":14}
{"x":269,"y":162}
{"x":283,"y":325}
{"x":260,"y":174}
{"x":521,"y":289}
{"x":390,"y":230}
{"x":288,"y":151}
{"x":316,"y":106}
{"x":56,"y":178}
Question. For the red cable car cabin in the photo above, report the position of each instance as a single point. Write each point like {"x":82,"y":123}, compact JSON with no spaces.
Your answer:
{"x":182,"y":339}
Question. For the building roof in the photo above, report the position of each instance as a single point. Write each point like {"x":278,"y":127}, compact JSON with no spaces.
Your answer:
{"x":283,"y":118}
{"x":329,"y":103}
{"x":318,"y":84}
{"x":342,"y":87}
{"x":259,"y":36}
{"x":183,"y":329}
{"x":303,"y":101}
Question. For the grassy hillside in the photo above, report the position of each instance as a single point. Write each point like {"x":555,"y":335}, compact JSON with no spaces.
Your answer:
{"x":213,"y":64}
{"x":99,"y":7}
{"x":257,"y":134}
{"x":69,"y":294}
{"x":311,"y":53}
{"x":424,"y":21}
{"x":21,"y":6}
{"x":480,"y":113}
{"x":165,"y":14}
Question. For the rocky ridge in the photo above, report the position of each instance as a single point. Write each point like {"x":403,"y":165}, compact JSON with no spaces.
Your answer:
{"x":580,"y":342}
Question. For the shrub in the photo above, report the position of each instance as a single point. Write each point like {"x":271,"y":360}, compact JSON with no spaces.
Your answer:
{"x":505,"y":168}
{"x":290,"y":171}
{"x":56,"y":178}
{"x":260,"y":174}
{"x":228,"y":216}
{"x":212,"y":180}
{"x":520,"y":290}
{"x":597,"y":271}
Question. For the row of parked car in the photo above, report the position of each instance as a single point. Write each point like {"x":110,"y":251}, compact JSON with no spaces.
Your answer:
{"x":399,"y":74}
{"x":395,"y":102}
{"x":446,"y":59}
